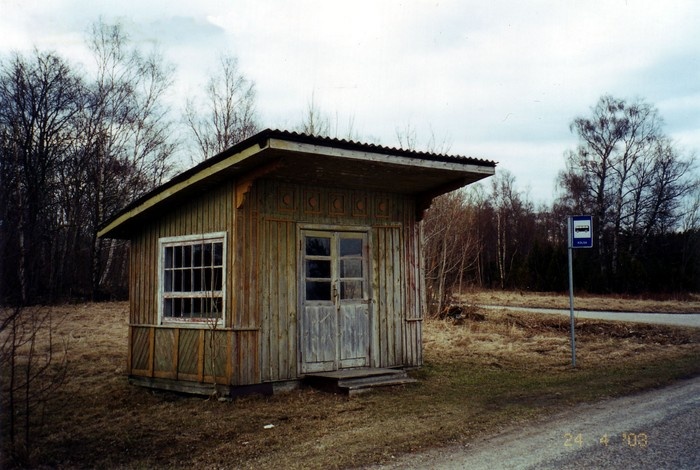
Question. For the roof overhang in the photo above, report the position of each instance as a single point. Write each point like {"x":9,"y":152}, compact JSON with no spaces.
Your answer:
{"x":299,"y":158}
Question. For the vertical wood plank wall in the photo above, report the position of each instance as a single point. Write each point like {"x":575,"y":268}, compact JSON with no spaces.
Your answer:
{"x":396,"y":291}
{"x":227,"y":355}
{"x":258,"y":343}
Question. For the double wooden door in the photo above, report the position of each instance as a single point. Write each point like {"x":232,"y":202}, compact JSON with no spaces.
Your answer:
{"x":334,"y":323}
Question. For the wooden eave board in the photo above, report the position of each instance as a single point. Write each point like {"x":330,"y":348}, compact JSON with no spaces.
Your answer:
{"x":324,"y":166}
{"x":170,"y":194}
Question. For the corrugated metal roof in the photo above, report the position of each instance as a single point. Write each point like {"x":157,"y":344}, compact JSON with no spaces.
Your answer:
{"x":367,"y":147}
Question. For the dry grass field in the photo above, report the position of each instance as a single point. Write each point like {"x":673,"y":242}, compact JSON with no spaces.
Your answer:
{"x":689,"y":303}
{"x":480,"y":376}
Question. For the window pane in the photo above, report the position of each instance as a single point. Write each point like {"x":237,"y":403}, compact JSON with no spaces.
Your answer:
{"x":318,"y":268}
{"x":177,"y":257}
{"x":350,"y":246}
{"x":168,"y":307}
{"x":177,"y":308}
{"x":351,"y":268}
{"x":206,"y":261}
{"x":218,"y":277}
{"x":218,"y":254}
{"x":218,"y":310}
{"x":196,"y":307}
{"x":187,"y":256}
{"x":197,"y":275}
{"x":318,"y":290}
{"x":207,"y":280}
{"x":187,"y":280}
{"x":177,"y":284}
{"x":318,"y":246}
{"x":351,"y":290}
{"x":168,"y":257}
{"x":168,"y":281}
{"x":196,"y":255}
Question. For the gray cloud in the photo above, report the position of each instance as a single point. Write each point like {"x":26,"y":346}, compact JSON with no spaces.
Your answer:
{"x":501,"y":79}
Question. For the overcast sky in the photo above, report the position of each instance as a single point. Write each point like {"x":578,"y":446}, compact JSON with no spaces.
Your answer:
{"x":498,"y":80}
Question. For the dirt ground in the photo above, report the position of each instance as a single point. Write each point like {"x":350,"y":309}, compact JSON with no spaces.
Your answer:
{"x":484,"y":373}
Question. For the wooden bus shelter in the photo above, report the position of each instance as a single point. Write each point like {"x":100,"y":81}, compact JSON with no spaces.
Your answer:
{"x":285,"y":255}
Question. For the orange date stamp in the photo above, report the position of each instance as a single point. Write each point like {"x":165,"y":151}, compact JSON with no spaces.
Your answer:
{"x":638,"y":440}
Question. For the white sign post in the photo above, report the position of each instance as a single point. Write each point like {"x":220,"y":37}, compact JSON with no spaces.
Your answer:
{"x":580,"y":235}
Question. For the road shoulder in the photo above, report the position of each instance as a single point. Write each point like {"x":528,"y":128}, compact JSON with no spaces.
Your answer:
{"x":631,"y":426}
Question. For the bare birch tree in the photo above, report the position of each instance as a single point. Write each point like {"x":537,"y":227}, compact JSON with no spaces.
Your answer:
{"x":227,"y":115}
{"x":451,"y":247}
{"x":128,"y":141}
{"x":628,"y":175}
{"x":319,"y":123}
{"x":509,"y":211}
{"x":314,"y":121}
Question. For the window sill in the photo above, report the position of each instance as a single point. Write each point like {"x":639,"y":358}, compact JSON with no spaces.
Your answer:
{"x":210,"y":325}
{"x":193,"y":326}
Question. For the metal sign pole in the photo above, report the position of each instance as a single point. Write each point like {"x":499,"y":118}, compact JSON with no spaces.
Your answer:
{"x":580,"y":235}
{"x":571,"y":289}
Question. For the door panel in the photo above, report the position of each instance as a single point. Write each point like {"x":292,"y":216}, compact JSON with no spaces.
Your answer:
{"x":352,"y":300}
{"x":335,"y":320}
{"x":353,"y":320}
{"x":318,"y":336}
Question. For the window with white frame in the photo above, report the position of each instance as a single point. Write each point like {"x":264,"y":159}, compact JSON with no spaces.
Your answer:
{"x":192,"y":278}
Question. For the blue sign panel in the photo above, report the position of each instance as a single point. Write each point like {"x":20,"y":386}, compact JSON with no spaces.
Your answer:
{"x":581,"y":231}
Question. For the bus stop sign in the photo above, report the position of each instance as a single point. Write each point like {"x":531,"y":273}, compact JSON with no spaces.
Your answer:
{"x":581,"y":231}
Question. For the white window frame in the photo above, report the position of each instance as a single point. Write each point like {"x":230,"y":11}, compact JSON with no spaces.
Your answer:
{"x":197,"y":322}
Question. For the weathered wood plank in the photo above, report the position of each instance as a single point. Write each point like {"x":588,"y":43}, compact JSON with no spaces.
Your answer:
{"x":398,"y":295}
{"x":384,"y":321}
{"x":200,"y":355}
{"x":164,"y":351}
{"x":187,"y":352}
{"x":151,"y":350}
{"x":319,"y":340}
{"x":140,"y":349}
{"x":290,"y":371}
{"x":215,"y":358}
{"x":282,"y":288}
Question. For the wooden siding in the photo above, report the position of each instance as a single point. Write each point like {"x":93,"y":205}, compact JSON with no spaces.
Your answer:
{"x":388,"y":296}
{"x":225,"y":355}
{"x":396,"y":309}
{"x":197,"y":355}
{"x":416,"y":304}
{"x":259,"y":340}
{"x":278,"y":300}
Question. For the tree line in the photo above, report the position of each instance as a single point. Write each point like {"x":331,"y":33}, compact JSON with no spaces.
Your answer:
{"x":642,"y":192}
{"x":77,"y":144}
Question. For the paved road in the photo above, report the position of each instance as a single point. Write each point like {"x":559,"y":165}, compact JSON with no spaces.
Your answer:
{"x":658,"y":429}
{"x":675,"y":319}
